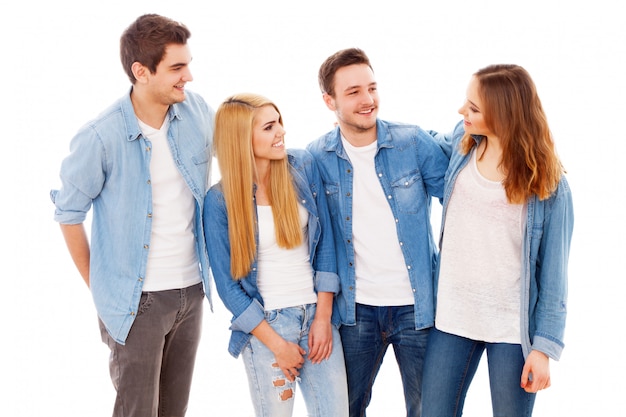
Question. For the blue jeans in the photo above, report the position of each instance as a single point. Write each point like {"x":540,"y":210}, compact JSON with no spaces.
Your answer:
{"x":323,"y":385}
{"x":451,"y":362}
{"x":152,"y":372}
{"x":365,"y":344}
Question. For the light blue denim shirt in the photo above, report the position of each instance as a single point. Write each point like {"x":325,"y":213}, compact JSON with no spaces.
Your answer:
{"x":545,"y":255}
{"x":242,"y":297}
{"x":109,"y":168}
{"x":411,"y":167}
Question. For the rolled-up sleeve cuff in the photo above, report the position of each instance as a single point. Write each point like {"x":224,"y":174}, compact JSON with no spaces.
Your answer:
{"x":547,"y":346}
{"x":66,"y":216}
{"x":326,"y":282}
{"x":249,"y":319}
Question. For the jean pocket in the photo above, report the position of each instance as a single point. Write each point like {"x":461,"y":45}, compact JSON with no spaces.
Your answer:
{"x":145,"y":302}
{"x":272,"y":315}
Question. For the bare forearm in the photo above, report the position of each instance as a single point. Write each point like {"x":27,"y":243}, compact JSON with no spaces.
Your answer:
{"x":78,"y":246}
{"x":324,"y":308}
{"x":269,"y":337}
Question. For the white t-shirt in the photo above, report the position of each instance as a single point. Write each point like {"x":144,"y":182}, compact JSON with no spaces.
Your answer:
{"x":382,"y":278}
{"x":284,"y":276}
{"x":172,"y":258}
{"x":479,"y":278}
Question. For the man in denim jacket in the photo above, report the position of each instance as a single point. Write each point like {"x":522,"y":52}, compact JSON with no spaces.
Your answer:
{"x":379,"y":178}
{"x":144,"y":164}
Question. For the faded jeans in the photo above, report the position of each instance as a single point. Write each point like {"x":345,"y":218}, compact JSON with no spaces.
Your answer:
{"x":323,"y":385}
{"x":152,"y":372}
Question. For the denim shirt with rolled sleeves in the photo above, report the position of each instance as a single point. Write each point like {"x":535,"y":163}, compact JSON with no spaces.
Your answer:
{"x":545,"y":255}
{"x":108,"y":168}
{"x":242,"y":297}
{"x":410,"y":167}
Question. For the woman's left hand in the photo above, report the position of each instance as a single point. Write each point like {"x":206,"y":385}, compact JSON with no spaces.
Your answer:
{"x":320,"y":340}
{"x":536,"y":372}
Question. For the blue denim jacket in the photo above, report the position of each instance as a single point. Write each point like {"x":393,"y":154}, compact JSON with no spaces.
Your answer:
{"x":411,"y":168}
{"x":545,"y":255}
{"x":109,"y":167}
{"x":242,"y":297}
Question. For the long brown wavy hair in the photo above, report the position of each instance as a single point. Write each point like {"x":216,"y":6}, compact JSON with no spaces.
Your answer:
{"x":232,"y":141}
{"x":513,"y":112}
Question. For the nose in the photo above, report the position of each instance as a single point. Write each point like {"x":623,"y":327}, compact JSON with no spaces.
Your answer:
{"x":186,"y":76}
{"x":366,"y":98}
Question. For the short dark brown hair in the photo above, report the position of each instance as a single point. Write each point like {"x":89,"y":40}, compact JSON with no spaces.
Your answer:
{"x":144,"y":41}
{"x":340,"y":59}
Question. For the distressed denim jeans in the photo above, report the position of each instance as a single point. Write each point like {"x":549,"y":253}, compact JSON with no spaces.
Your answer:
{"x":323,"y":385}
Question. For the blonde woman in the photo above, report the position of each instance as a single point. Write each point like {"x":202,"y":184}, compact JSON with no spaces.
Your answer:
{"x":273,"y":260}
{"x":506,"y":230}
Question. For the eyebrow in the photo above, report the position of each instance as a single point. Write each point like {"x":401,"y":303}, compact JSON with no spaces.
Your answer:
{"x":179,"y":64}
{"x":352,"y":87}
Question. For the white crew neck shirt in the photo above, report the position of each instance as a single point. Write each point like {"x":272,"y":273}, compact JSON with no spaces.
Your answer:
{"x":172,"y":258}
{"x":382,"y":278}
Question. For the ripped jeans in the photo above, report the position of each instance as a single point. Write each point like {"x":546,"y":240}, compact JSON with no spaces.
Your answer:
{"x":323,"y":385}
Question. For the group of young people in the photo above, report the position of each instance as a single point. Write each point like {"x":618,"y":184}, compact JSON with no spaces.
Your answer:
{"x":325,"y":256}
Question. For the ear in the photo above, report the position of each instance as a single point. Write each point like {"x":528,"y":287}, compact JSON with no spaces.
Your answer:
{"x":139,"y":71}
{"x":329,"y":101}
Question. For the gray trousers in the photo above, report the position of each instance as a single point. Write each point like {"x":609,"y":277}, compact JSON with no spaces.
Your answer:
{"x":152,"y":372}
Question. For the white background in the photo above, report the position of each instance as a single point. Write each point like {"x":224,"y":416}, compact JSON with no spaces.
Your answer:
{"x":60,"y":67}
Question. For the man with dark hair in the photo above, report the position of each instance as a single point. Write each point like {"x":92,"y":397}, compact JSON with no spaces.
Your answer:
{"x":379,"y":178}
{"x":143,"y":165}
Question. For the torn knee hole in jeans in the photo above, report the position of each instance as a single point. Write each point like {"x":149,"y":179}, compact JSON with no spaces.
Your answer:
{"x":285,"y":394}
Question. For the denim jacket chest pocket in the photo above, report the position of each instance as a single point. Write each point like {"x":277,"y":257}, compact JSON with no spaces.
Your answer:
{"x":408,"y":191}
{"x":332,"y":198}
{"x":201,"y":158}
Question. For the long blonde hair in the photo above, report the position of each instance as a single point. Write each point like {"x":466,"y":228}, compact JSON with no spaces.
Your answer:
{"x":513,"y":112}
{"x":234,"y":121}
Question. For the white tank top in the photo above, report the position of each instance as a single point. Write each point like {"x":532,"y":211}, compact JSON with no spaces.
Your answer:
{"x":284,"y":276}
{"x":479,"y":280}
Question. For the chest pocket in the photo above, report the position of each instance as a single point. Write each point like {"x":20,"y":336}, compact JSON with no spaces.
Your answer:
{"x":202,"y":157}
{"x":332,"y":198}
{"x":408,"y":192}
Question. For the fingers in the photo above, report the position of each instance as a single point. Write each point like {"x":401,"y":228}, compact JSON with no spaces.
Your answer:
{"x":329,"y":350}
{"x":536,"y":372}
{"x":524,"y":382}
{"x":321,"y":352}
{"x":534,"y":384}
{"x":291,"y":373}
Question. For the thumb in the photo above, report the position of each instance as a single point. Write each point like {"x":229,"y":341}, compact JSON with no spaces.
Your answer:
{"x":526,"y":376}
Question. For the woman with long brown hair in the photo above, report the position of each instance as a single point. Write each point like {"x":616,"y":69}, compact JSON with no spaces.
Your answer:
{"x":507,"y":222}
{"x":272,"y":256}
